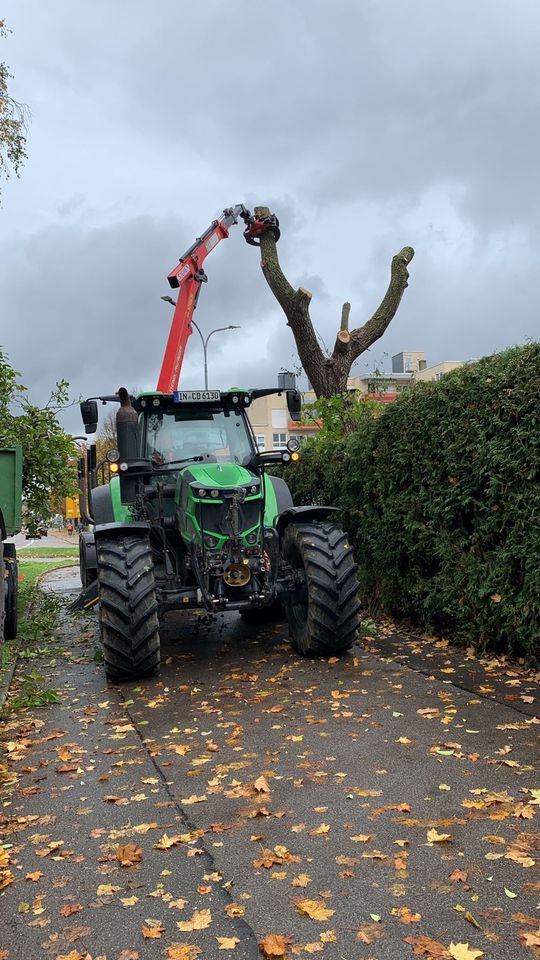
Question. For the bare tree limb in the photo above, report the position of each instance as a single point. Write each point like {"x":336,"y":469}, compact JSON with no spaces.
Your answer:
{"x":328,"y":374}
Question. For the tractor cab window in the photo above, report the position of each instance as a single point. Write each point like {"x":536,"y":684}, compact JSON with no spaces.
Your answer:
{"x":179,"y":434}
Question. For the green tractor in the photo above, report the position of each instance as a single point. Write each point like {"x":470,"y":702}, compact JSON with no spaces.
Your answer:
{"x":191,"y":520}
{"x":10,"y":523}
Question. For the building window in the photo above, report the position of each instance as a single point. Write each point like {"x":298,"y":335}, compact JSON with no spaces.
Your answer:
{"x":260,"y":441}
{"x":279,"y":441}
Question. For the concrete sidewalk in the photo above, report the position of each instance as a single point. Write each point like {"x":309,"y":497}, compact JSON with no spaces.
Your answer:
{"x":360,"y":808}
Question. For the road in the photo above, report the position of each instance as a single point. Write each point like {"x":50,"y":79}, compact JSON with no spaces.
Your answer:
{"x":381,"y":806}
{"x":53,"y":539}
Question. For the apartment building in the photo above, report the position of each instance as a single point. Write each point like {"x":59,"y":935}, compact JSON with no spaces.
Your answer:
{"x":270,"y":418}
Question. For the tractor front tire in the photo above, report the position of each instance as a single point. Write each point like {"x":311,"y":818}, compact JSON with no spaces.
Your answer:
{"x":127,"y":608}
{"x":327,"y":619}
{"x":12,"y":583}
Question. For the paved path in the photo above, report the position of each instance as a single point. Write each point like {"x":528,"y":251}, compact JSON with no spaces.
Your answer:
{"x":275,"y":796}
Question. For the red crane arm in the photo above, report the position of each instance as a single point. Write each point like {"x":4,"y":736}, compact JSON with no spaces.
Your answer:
{"x":188,"y":275}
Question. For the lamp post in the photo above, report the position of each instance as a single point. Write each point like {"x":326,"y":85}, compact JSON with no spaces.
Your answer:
{"x":204,"y":340}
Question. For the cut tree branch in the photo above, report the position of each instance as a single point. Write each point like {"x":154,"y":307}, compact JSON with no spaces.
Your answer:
{"x":328,"y":374}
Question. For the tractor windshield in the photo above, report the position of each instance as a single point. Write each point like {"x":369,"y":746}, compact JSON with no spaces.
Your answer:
{"x":179,"y":434}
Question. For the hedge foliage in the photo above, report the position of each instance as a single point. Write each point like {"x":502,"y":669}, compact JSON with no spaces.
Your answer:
{"x":441,"y":496}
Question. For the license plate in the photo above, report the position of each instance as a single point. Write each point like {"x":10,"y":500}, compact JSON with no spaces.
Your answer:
{"x":189,"y":396}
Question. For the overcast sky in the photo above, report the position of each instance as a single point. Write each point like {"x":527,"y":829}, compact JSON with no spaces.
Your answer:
{"x":364,"y":125}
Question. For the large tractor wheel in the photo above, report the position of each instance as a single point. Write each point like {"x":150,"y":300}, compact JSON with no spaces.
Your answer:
{"x":325,"y":619}
{"x":11,"y":584}
{"x":127,"y":607}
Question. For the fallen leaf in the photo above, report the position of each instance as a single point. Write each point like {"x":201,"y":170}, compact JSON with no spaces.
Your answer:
{"x":35,"y":876}
{"x":434,"y":837}
{"x":424,"y":946}
{"x":235,"y":910}
{"x":153,"y":930}
{"x":227,"y":943}
{"x":261,"y":785}
{"x":530,"y":938}
{"x":510,"y":893}
{"x":369,"y":932}
{"x":70,"y":908}
{"x":183,"y":951}
{"x":193,"y":799}
{"x":274,"y":945}
{"x":301,"y":880}
{"x":129,"y":853}
{"x":200,"y":919}
{"x":462,"y":951}
{"x":315,"y":909}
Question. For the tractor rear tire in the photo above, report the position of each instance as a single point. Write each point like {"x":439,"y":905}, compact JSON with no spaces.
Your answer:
{"x":127,"y":608}
{"x":327,"y":620}
{"x":12,"y":581}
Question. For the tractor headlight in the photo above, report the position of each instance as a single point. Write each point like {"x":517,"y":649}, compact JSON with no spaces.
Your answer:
{"x":214,"y":493}
{"x":201,"y":492}
{"x":123,"y":466}
{"x":253,"y":491}
{"x":252,"y":538}
{"x":210,"y":541}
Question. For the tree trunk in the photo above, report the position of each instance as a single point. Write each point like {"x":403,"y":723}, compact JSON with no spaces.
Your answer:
{"x":329,"y":374}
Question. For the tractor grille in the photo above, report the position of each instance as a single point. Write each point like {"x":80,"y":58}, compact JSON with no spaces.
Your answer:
{"x":213,"y":516}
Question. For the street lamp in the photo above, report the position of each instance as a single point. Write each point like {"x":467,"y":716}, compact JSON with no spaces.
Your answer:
{"x":203,"y":340}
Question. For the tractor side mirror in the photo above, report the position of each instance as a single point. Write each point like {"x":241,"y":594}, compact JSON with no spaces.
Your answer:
{"x":294,"y":404}
{"x":89,"y":413}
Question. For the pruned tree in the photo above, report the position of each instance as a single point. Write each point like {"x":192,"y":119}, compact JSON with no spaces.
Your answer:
{"x":13,"y":122}
{"x":328,"y":373}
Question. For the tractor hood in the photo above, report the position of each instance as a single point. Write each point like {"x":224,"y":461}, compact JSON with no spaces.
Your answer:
{"x":218,"y":474}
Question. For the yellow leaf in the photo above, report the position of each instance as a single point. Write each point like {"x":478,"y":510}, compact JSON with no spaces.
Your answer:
{"x":462,"y":951}
{"x":510,"y":893}
{"x":301,"y":880}
{"x":129,"y":901}
{"x":434,"y":837}
{"x":227,"y":943}
{"x":324,"y":828}
{"x":235,"y":910}
{"x":329,"y":936}
{"x":200,"y":919}
{"x":183,"y":951}
{"x":193,"y":799}
{"x":106,"y":889}
{"x":315,"y":909}
{"x":361,"y":838}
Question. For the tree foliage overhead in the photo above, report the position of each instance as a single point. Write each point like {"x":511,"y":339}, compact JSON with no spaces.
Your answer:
{"x":13,"y":116}
{"x":48,"y":452}
{"x":328,"y":373}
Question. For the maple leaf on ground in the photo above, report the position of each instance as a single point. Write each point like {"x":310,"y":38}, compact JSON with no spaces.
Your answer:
{"x":274,"y":945}
{"x":167,"y":842}
{"x":235,"y":910}
{"x":462,"y":951}
{"x":261,"y":785}
{"x":530,"y":938}
{"x":227,"y":943}
{"x":153,"y":930}
{"x":72,"y":955}
{"x":35,"y":876}
{"x":315,"y":909}
{"x":424,"y":946}
{"x":369,"y":932}
{"x":434,"y":837}
{"x":69,"y":908}
{"x":183,"y":951}
{"x":128,"y":853}
{"x":200,"y":919}
{"x":301,"y":880}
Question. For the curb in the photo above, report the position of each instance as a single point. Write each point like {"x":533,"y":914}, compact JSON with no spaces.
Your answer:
{"x":4,"y":690}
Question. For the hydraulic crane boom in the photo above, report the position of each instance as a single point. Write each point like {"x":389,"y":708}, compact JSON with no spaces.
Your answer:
{"x":188,"y":275}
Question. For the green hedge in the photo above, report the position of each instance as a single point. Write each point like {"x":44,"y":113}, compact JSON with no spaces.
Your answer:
{"x":441,"y":497}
